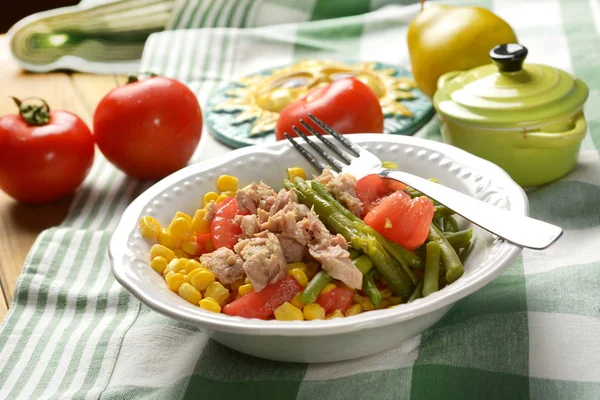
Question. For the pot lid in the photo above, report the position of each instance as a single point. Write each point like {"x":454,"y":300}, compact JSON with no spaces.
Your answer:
{"x":509,"y":93}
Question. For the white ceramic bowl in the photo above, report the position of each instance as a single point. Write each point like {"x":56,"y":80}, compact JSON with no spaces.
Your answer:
{"x":321,"y":340}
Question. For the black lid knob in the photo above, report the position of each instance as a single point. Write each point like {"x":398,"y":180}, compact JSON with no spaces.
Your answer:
{"x":509,"y":57}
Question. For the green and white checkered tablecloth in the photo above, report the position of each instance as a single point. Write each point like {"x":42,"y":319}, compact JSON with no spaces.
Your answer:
{"x":74,"y":332}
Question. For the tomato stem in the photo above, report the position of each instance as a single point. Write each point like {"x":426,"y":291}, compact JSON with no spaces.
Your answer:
{"x":131,"y":78}
{"x":33,"y":114}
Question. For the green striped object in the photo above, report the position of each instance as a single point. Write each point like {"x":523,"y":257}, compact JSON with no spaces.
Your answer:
{"x":73,"y":332}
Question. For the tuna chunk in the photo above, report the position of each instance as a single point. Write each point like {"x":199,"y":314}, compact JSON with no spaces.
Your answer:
{"x":293,"y":251}
{"x":282,"y":222}
{"x":225,"y":264}
{"x":336,"y":261}
{"x":331,"y":251}
{"x":343,"y":188}
{"x":264,"y":261}
{"x":248,"y":223}
{"x":283,"y":198}
{"x":211,"y":209}
{"x":255,"y":196}
{"x":315,"y":227}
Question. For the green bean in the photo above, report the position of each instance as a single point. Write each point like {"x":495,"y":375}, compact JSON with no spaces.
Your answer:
{"x":395,"y":276}
{"x":412,"y":192}
{"x":439,"y":223}
{"x":354,"y":253}
{"x":450,"y":224}
{"x":363,"y":263}
{"x":314,"y":287}
{"x":432,"y":269}
{"x":418,"y":293}
{"x":456,"y":238}
{"x":371,"y":290}
{"x":442,"y":211}
{"x":454,"y":268}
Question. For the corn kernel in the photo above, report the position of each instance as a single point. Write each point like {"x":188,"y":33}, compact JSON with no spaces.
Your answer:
{"x":353,"y":310}
{"x":294,"y":172}
{"x":198,"y":223}
{"x":159,"y":264}
{"x":309,"y":268}
{"x":246,"y":280}
{"x":386,"y":293}
{"x":190,"y":246}
{"x":180,"y":253}
{"x":183,"y":215}
{"x":235,"y":285}
{"x":192,"y":265}
{"x":389,"y":165}
{"x":313,"y":311}
{"x":210,"y":196}
{"x":297,"y":302}
{"x":218,"y":292}
{"x":193,"y":273}
{"x":168,"y":274}
{"x":395,"y":300}
{"x":227,"y":183}
{"x":176,"y":280}
{"x":384,"y":303}
{"x":329,"y":287}
{"x":228,"y":193}
{"x":176,"y":265}
{"x":287,"y":312}
{"x":365,"y":302}
{"x":149,"y":227}
{"x":189,"y":293}
{"x":202,"y":279}
{"x":335,"y":314}
{"x":245,"y":289}
{"x":210,"y":305}
{"x":221,"y":198}
{"x":167,"y":239}
{"x":299,"y":275}
{"x":158,"y":250}
{"x":181,"y":228}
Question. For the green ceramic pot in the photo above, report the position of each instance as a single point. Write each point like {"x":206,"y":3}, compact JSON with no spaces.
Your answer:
{"x":526,"y":118}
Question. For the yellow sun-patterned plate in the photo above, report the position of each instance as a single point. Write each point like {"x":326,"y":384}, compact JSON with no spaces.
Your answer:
{"x":245,"y":112}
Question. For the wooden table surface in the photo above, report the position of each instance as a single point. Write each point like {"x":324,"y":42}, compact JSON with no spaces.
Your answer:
{"x":21,"y":224}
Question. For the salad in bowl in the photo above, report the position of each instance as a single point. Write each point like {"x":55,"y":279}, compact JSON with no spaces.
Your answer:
{"x":328,"y":247}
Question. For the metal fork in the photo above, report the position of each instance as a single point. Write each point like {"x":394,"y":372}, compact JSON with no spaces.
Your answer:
{"x":518,"y":229}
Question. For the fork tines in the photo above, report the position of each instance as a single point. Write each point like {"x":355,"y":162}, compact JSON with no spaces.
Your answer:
{"x":335,"y":164}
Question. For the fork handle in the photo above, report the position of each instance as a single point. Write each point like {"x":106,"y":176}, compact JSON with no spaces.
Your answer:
{"x":518,"y":229}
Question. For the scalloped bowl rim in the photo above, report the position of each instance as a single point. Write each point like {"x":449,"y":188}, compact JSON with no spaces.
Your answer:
{"x":507,"y":253}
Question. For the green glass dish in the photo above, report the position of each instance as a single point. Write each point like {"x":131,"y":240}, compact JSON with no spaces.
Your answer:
{"x":526,"y":118}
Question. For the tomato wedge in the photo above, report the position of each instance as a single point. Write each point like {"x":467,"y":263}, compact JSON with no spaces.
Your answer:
{"x":401,"y":219}
{"x":336,"y":299}
{"x":223,"y":232}
{"x":372,"y":189}
{"x":262,"y":304}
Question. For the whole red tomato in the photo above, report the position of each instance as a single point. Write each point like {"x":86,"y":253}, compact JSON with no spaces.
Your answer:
{"x":347,"y":105}
{"x":148,"y":128}
{"x":44,"y":155}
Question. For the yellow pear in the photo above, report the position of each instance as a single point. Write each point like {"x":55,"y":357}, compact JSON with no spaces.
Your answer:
{"x":444,"y":38}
